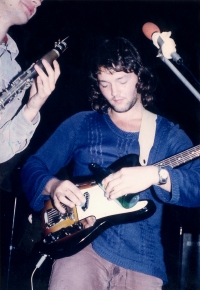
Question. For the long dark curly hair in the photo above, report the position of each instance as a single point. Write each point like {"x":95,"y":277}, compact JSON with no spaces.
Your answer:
{"x":119,"y":54}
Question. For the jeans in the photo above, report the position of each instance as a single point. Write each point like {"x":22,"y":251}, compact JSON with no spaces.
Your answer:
{"x":87,"y":270}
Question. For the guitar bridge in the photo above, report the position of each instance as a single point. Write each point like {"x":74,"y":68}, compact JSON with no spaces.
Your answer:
{"x":53,"y":216}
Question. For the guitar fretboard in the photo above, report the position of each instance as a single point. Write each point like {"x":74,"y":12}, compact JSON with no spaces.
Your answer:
{"x":181,"y":157}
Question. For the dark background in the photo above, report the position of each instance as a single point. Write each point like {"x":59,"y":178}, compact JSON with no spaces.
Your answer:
{"x":87,"y":22}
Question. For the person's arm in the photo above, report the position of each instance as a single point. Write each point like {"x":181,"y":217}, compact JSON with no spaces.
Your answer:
{"x":38,"y":173}
{"x":183,"y":183}
{"x":41,"y":88}
{"x":17,"y":131}
{"x":185,"y":186}
{"x":134,"y":180}
{"x":16,"y":134}
{"x":185,"y":179}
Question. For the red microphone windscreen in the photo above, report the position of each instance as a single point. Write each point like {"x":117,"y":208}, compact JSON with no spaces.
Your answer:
{"x":149,"y":28}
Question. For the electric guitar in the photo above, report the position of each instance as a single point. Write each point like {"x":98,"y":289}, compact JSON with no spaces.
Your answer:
{"x":66,"y":234}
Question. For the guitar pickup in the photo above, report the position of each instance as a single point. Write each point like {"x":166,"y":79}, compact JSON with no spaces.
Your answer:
{"x":87,"y":197}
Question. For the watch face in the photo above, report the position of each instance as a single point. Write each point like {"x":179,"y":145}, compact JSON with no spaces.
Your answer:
{"x":163,"y":173}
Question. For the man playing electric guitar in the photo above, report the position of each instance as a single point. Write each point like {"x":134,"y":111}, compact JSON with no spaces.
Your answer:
{"x":130,"y":255}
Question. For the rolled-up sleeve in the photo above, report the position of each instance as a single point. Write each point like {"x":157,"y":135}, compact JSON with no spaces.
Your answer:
{"x":185,"y":178}
{"x":16,"y":134}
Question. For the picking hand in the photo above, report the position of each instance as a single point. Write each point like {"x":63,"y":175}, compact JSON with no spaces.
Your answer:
{"x":65,"y":192}
{"x":42,"y":87}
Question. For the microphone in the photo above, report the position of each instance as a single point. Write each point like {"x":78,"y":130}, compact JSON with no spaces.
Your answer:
{"x":149,"y":29}
{"x":162,"y":41}
{"x":167,"y":46}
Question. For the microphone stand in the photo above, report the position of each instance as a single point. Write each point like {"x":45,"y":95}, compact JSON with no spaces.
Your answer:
{"x":11,"y":246}
{"x":180,"y":76}
{"x":177,"y":58}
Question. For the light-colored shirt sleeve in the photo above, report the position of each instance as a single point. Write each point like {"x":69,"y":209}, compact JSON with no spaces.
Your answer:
{"x":16,"y":134}
{"x":15,"y":130}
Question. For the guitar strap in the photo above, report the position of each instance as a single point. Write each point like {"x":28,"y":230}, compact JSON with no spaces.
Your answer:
{"x":146,"y":135}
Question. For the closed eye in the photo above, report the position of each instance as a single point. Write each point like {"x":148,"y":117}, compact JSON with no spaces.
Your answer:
{"x":123,"y":83}
{"x":122,"y":80}
{"x":103,"y":85}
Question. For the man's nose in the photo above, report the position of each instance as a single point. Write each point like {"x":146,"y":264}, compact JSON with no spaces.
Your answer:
{"x":114,"y":90}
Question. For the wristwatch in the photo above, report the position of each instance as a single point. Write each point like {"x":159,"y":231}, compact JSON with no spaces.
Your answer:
{"x":163,"y":175}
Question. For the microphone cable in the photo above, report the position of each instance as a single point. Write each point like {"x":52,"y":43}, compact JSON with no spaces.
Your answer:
{"x":186,"y":68}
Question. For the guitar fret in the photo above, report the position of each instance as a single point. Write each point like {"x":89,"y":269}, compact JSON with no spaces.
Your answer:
{"x":176,"y":161}
{"x":181,"y":157}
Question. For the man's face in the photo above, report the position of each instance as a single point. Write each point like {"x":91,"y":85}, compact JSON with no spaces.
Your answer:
{"x":119,"y":89}
{"x":18,"y":11}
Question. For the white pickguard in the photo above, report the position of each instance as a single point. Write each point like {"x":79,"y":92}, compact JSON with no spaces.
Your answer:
{"x":100,"y":207}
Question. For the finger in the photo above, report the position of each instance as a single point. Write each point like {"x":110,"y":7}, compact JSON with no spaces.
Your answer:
{"x":113,"y":182}
{"x":58,"y":204}
{"x":50,"y":73}
{"x":70,"y":197}
{"x":48,"y":81}
{"x":43,"y":89}
{"x":33,"y":88}
{"x":119,"y":191}
{"x":118,"y":188}
{"x":56,"y":69}
{"x":67,"y":193}
{"x":40,"y":71}
{"x":65,"y":200}
{"x":76,"y":194}
{"x":77,"y":198}
{"x":108,"y":179}
{"x":37,"y":89}
{"x":53,"y":73}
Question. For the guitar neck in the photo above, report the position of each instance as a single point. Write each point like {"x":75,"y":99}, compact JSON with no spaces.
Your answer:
{"x":180,"y":158}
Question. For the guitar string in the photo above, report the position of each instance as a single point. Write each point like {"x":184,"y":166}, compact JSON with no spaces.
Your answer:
{"x":53,"y":214}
